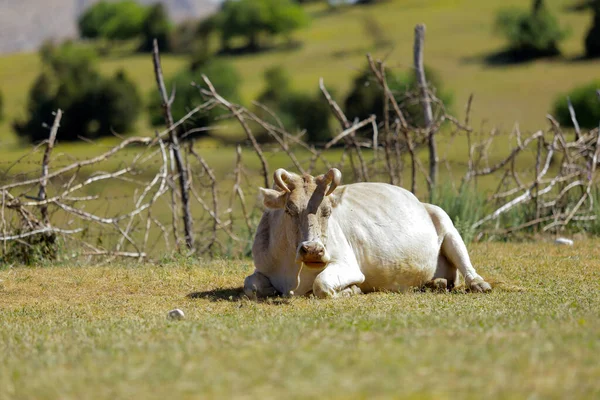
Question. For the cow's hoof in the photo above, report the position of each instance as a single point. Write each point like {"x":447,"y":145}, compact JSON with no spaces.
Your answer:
{"x":478,"y":285}
{"x":437,"y":285}
{"x":322,"y":291}
{"x":350,"y":291}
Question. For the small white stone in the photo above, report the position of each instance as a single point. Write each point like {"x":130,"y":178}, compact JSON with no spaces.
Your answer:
{"x":564,"y":241}
{"x":176,"y":314}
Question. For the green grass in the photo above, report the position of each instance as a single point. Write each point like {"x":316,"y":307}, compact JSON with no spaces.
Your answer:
{"x":99,"y":332}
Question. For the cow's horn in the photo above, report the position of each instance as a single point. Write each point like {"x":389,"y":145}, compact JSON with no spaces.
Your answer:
{"x":279,"y":176}
{"x":335,"y":177}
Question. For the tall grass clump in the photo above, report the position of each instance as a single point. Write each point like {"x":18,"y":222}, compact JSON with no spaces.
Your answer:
{"x":464,"y":205}
{"x":33,"y":250}
{"x":592,"y":227}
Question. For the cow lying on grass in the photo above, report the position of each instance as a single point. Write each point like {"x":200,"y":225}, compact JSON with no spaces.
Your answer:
{"x":316,"y":236}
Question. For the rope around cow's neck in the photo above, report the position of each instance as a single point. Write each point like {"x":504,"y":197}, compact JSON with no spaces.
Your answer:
{"x":291,"y":292}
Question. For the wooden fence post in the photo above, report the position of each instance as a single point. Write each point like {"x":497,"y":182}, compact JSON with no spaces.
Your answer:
{"x":426,"y":102}
{"x":184,"y":184}
{"x":45,"y":163}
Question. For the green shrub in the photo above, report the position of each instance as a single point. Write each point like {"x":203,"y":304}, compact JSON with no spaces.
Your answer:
{"x":223,"y":76}
{"x":278,"y":86}
{"x":156,"y":25}
{"x":592,"y":39}
{"x":33,"y":250}
{"x":112,"y":20}
{"x":1,"y":107}
{"x":530,"y":34}
{"x":310,"y":113}
{"x":93,"y":105}
{"x":295,"y":110}
{"x":252,"y":18}
{"x":366,"y":96}
{"x":127,"y":19}
{"x":585,"y":103}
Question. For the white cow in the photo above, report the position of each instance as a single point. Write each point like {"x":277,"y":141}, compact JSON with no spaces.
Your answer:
{"x":316,"y":236}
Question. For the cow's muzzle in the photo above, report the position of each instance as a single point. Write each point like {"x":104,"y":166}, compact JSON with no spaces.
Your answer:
{"x":312,"y":254}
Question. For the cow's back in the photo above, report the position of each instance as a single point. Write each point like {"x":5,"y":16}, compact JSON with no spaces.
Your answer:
{"x":391,"y":234}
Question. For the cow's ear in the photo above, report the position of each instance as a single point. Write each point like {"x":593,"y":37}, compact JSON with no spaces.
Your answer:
{"x":272,"y":198}
{"x":337,"y":196}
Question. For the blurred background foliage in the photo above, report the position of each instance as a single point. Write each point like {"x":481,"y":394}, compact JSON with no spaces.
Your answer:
{"x":252,"y":51}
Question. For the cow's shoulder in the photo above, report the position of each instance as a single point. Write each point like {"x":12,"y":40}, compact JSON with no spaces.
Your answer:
{"x":262,"y":236}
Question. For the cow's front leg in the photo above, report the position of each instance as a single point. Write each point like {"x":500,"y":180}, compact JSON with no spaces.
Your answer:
{"x":349,"y":291}
{"x":338,"y":280}
{"x":258,"y":285}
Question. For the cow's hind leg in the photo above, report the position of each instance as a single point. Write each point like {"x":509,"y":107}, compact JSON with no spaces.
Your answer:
{"x":445,"y":277}
{"x":454,"y":251}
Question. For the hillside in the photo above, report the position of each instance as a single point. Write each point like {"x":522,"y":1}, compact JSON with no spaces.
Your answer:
{"x":459,"y":38}
{"x":25,"y":24}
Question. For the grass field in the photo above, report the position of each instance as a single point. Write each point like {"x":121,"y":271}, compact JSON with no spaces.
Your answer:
{"x":100,"y":332}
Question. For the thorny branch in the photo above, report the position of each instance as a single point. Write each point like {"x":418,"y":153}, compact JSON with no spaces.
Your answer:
{"x":552,"y":182}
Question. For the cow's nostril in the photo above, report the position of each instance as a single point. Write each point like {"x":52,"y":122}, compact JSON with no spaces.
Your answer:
{"x":311,"y":249}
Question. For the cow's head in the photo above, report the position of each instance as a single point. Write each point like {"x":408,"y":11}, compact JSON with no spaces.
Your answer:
{"x":307,"y":207}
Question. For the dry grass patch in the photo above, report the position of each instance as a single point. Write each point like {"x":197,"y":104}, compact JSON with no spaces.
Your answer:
{"x":94,"y":332}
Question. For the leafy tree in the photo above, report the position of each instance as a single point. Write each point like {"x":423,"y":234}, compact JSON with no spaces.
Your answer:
{"x":585,"y":103}
{"x":156,"y":25}
{"x":94,"y":106}
{"x":309,"y":112}
{"x":592,"y":39}
{"x":196,"y":40}
{"x":297,"y":110}
{"x":206,"y":28}
{"x":117,"y":101}
{"x":531,"y":34}
{"x":70,"y":58}
{"x":366,"y":96}
{"x":252,"y":18}
{"x":225,"y":80}
{"x":112,"y":20}
{"x":278,"y":86}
